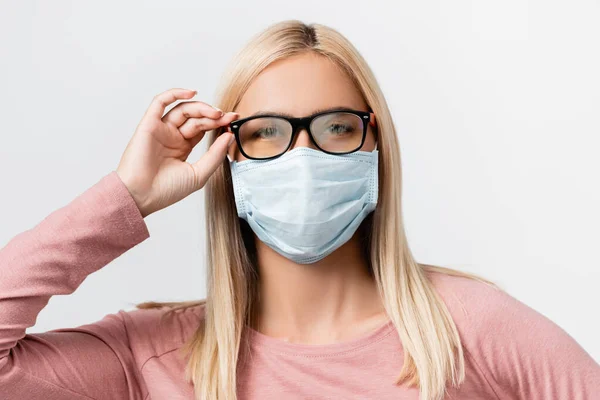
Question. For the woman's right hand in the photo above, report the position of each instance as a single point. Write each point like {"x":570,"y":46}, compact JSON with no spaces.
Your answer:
{"x":154,"y":166}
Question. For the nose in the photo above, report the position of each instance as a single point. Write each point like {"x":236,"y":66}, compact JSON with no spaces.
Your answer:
{"x":302,"y":139}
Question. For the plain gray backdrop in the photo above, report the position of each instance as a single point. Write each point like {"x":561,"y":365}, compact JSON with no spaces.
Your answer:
{"x":496,"y":106}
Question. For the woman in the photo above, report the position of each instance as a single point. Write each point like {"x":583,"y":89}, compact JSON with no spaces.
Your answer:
{"x":312,"y":288}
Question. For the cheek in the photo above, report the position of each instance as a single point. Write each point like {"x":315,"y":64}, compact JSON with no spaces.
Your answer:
{"x":234,"y":153}
{"x":369,"y":144}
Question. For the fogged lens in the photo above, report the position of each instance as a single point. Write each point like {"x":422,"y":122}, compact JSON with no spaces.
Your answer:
{"x":338,"y":132}
{"x":265,"y":137}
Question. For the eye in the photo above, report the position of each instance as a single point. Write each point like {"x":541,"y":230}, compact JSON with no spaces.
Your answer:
{"x":340,"y":128}
{"x":266,"y":132}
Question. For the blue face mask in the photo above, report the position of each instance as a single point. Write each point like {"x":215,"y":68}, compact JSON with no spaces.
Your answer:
{"x":306,"y":203}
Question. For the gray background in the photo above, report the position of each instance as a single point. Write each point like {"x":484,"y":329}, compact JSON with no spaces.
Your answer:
{"x":496,"y":105}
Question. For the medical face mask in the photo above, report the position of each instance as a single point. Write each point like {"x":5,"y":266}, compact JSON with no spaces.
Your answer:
{"x":306,"y":203}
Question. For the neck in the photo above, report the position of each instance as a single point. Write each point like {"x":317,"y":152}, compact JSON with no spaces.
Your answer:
{"x":325,"y":301}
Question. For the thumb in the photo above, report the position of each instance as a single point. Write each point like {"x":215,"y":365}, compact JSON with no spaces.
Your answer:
{"x":211,"y":159}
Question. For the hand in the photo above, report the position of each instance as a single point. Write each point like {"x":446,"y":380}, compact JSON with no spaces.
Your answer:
{"x":154,"y":166}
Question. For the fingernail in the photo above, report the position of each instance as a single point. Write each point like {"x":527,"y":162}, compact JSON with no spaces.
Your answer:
{"x":218,"y":109}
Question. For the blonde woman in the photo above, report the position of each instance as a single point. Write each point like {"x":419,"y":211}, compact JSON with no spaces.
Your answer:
{"x":312,"y":289}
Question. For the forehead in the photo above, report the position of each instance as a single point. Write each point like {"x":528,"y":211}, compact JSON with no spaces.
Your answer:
{"x":299,"y":85}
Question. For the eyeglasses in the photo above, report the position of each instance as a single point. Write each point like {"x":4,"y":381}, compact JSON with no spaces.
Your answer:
{"x":267,"y":136}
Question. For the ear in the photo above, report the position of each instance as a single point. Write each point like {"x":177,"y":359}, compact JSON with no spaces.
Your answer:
{"x":372,"y":120}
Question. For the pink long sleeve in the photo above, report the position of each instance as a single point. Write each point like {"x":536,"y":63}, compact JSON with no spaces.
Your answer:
{"x":54,"y":258}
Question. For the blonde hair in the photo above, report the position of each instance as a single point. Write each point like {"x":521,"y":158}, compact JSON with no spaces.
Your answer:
{"x":432,"y":346}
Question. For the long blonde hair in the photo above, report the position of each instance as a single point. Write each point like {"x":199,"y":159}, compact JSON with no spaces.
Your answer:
{"x":432,"y":347}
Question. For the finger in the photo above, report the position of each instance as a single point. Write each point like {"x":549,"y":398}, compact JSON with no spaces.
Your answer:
{"x":162,"y":100}
{"x":194,"y":126}
{"x":196,"y":139}
{"x":210,"y":161}
{"x":191,"y":109}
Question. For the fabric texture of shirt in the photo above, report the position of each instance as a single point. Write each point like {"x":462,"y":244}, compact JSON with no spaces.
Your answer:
{"x":511,"y":351}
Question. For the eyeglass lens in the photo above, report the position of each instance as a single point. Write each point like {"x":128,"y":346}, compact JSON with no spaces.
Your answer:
{"x":337,"y":132}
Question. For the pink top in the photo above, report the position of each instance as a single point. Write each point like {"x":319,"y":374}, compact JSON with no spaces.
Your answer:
{"x":512,"y":351}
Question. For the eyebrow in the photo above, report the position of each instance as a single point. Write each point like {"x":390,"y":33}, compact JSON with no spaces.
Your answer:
{"x":288,"y":115}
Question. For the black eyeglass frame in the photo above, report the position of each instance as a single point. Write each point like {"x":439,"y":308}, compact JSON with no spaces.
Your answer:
{"x":366,"y":116}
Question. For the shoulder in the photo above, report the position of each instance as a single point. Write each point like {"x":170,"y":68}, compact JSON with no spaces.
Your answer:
{"x":480,"y":309}
{"x":469,"y":300}
{"x":520,"y":351}
{"x":485,"y":315}
{"x":483,"y":312}
{"x":155,"y":331}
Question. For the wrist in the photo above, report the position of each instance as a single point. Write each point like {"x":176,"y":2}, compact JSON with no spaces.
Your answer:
{"x":140,"y":202}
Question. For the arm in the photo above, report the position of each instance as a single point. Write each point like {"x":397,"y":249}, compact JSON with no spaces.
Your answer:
{"x":95,"y":360}
{"x":525,"y":355}
{"x":91,"y":361}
